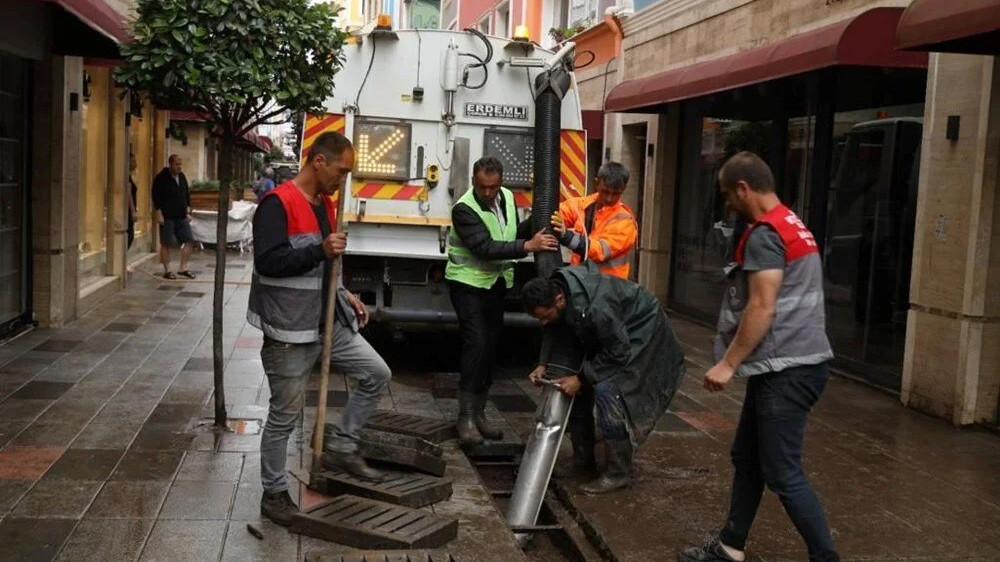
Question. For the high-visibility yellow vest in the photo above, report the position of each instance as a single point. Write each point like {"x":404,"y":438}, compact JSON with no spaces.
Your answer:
{"x":466,"y":267}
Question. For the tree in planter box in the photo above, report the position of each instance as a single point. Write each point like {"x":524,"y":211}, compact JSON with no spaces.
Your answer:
{"x":240,"y":64}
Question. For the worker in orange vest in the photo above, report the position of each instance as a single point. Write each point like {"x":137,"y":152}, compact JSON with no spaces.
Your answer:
{"x":602,"y":229}
{"x":599,"y":227}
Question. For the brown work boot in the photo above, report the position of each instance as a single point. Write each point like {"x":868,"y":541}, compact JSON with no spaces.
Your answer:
{"x":351,"y":463}
{"x":486,"y":429}
{"x":619,"y":472}
{"x":466,"y":425}
{"x":278,"y":507}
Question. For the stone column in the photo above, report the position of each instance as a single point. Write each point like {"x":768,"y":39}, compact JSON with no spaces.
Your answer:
{"x":117,"y":218}
{"x":55,"y":184}
{"x":952,"y":363}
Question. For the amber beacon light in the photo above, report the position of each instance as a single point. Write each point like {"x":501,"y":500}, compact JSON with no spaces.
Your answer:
{"x":384,"y":21}
{"x":521,"y":33}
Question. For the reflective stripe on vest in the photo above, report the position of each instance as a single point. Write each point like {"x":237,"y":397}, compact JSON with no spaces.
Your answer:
{"x":464,"y":266}
{"x":288,"y":309}
{"x":797,"y":335}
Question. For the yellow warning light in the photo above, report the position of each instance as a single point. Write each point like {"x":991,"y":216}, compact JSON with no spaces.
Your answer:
{"x":522,"y":33}
{"x":384,"y":21}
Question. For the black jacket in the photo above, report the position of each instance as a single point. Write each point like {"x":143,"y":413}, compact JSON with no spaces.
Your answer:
{"x":169,"y":198}
{"x":476,"y":236}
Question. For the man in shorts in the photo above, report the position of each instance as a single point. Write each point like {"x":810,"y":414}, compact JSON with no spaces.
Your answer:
{"x":172,"y":201}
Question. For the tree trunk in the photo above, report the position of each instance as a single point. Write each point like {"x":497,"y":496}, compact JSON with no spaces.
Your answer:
{"x":222,"y":223}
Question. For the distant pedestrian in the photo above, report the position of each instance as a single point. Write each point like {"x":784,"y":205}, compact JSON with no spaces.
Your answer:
{"x":293,"y":251}
{"x":133,"y":191}
{"x":772,"y":330}
{"x":172,"y":201}
{"x":264,"y":184}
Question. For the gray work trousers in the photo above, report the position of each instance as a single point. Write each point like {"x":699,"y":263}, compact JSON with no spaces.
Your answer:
{"x":287,"y":367}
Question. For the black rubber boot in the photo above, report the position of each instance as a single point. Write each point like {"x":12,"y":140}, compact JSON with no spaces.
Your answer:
{"x":619,"y":472}
{"x":583,"y":464}
{"x":467,"y":432}
{"x":486,"y":429}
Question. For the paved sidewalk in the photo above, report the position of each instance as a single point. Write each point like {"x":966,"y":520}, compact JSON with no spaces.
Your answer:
{"x":106,"y":453}
{"x":896,"y":484}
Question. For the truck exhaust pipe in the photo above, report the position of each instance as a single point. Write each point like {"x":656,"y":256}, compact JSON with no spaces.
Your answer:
{"x":565,"y":356}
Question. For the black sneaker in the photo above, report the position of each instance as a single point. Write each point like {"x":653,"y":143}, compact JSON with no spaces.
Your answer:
{"x":711,"y":551}
{"x":278,"y":507}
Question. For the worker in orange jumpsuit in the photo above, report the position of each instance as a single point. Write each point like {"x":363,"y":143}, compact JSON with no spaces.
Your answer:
{"x":602,"y":229}
{"x":599,"y":227}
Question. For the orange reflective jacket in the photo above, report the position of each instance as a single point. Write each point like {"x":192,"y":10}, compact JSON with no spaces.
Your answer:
{"x":610,"y":239}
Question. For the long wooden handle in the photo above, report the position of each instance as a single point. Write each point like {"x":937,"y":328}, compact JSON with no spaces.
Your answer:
{"x":328,"y":327}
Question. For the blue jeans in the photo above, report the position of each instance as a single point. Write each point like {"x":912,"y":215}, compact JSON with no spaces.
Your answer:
{"x":768,"y":450}
{"x":288,"y":367}
{"x":611,"y":416}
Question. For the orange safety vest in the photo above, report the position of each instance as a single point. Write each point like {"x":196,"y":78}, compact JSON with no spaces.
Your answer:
{"x":611,"y":237}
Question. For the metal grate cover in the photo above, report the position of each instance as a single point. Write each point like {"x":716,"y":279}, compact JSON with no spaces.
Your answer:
{"x":384,"y":556}
{"x":365,"y":523}
{"x":428,"y":429}
{"x":400,"y":488}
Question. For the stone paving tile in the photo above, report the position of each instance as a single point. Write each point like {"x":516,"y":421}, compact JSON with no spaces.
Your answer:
{"x":211,"y":467}
{"x":57,"y":499}
{"x":85,"y":464}
{"x":122,"y":327}
{"x":239,"y":443}
{"x":247,"y":503}
{"x":27,"y":463}
{"x":174,"y":414}
{"x":11,"y":492}
{"x":75,"y":411}
{"x":198,"y":500}
{"x":200,"y":364}
{"x":106,"y":435}
{"x":22,"y":408}
{"x":180,"y":394}
{"x":32,"y":539}
{"x":172,"y":541}
{"x":163,"y":437}
{"x":9,"y":429}
{"x":148,"y":465}
{"x":138,"y":499}
{"x":57,"y":345}
{"x":42,"y":390}
{"x":47,"y":434}
{"x":105,"y":540}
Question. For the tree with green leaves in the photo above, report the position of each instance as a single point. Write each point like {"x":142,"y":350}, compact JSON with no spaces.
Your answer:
{"x":240,"y":63}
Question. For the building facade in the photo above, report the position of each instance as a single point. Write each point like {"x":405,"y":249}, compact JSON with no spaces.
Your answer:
{"x":66,"y":133}
{"x":854,"y":130}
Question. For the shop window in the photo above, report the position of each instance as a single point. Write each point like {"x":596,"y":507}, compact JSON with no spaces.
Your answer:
{"x":94,"y":178}
{"x":13,"y":195}
{"x":869,"y":236}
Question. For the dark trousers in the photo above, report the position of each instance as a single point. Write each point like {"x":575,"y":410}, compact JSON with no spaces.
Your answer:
{"x":611,"y":417}
{"x":480,"y":320}
{"x":768,"y":450}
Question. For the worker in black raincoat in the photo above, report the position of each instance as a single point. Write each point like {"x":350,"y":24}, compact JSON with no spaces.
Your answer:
{"x":632,"y":363}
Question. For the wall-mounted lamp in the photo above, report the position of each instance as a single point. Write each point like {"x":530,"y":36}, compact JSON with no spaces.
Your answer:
{"x":954,"y":124}
{"x":86,"y":87}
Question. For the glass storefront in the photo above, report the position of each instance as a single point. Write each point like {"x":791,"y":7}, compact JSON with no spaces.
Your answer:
{"x":844,"y":148}
{"x":14,"y":234}
{"x":141,"y":135}
{"x":94,"y":177}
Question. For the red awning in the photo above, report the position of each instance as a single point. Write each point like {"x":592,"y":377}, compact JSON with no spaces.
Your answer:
{"x":593,"y":123}
{"x":865,"y":40}
{"x":187,"y":116}
{"x":99,"y":16}
{"x":951,"y":26}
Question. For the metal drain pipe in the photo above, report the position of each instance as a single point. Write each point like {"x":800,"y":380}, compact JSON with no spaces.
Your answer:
{"x":565,"y":357}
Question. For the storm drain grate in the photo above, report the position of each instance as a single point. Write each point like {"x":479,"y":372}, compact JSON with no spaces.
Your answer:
{"x":429,"y":429}
{"x":400,"y":488}
{"x":403,"y":450}
{"x":489,"y":449}
{"x":365,"y":523}
{"x":383,"y":556}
